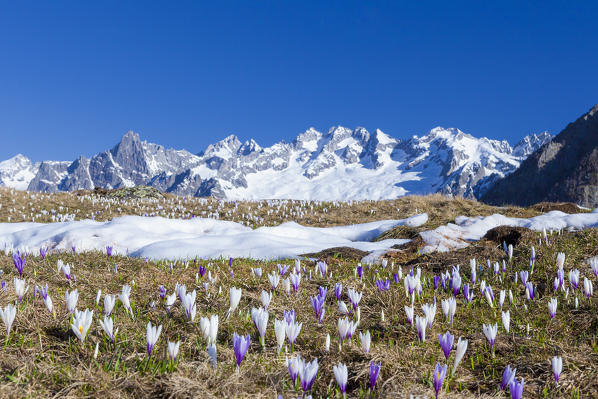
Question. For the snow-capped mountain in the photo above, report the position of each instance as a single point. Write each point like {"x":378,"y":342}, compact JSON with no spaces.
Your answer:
{"x":340,"y":164}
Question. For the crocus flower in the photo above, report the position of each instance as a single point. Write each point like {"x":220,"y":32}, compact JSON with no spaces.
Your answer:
{"x":516,"y":389}
{"x":552,"y":306}
{"x":594,"y":265}
{"x":501,"y":298}
{"x":170,"y":300}
{"x":240,"y":346}
{"x":489,"y":296}
{"x":48,"y":303}
{"x":588,"y":288}
{"x":524,"y":276}
{"x":43,"y":251}
{"x":235,"y":298}
{"x":8,"y":317}
{"x":338,"y":290}
{"x":574,"y":278}
{"x":383,"y":285}
{"x":152,"y":335}
{"x":366,"y":340}
{"x":124,"y":298}
{"x":202,"y":270}
{"x":557,"y":367}
{"x":81,"y":323}
{"x":266,"y":298}
{"x":66,"y":270}
{"x":212,"y":352}
{"x":282,"y":269}
{"x":354,"y":298}
{"x":430,"y":313}
{"x":70,"y":299}
{"x":162,"y":291}
{"x":19,"y":261}
{"x":293,"y":366}
{"x":20,"y":288}
{"x":209,"y":328}
{"x":173,"y":350}
{"x":506,"y":320}
{"x":280,"y":333}
{"x":295,"y":280}
{"x":317,"y":303}
{"x":260,"y":321}
{"x":98,"y":296}
{"x":307,"y":374}
{"x":449,"y":307}
{"x":459,"y":353}
{"x":341,"y":374}
{"x":490,"y":332}
{"x":420,"y":323}
{"x":109,"y":302}
{"x":446,"y":343}
{"x":529,"y":291}
{"x":109,"y":251}
{"x":292,"y":331}
{"x":274,"y":280}
{"x":507,"y":377}
{"x":289,"y":316}
{"x":108,"y":326}
{"x":456,"y":283}
{"x":189,"y":305}
{"x":439,"y":376}
{"x":409,"y":311}
{"x":360,"y":271}
{"x":374,"y":371}
{"x":560,"y":260}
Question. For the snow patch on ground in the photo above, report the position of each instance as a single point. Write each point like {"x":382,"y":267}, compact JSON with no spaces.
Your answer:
{"x":468,"y":229}
{"x":161,"y":238}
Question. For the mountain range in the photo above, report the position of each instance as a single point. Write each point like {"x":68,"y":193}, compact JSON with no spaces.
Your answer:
{"x":566,"y":169}
{"x":340,"y":164}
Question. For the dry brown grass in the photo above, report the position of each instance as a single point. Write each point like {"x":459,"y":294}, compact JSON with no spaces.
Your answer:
{"x":43,"y":358}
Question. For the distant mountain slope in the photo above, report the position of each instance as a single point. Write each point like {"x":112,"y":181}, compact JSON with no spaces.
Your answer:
{"x":339,"y":164}
{"x":566,"y":169}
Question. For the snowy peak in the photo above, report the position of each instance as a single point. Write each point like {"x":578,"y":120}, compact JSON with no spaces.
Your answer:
{"x":340,"y":164}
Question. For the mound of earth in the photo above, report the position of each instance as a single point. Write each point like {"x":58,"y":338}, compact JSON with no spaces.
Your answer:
{"x":344,"y":253}
{"x":567,"y":207}
{"x":508,"y":234}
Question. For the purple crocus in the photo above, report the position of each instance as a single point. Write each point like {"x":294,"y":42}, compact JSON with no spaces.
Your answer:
{"x":230,"y":262}
{"x":307,"y":374}
{"x":529,"y":290}
{"x":19,"y":260}
{"x":43,"y":252}
{"x":360,"y":271}
{"x":338,"y":290}
{"x":507,"y":377}
{"x":439,"y":376}
{"x":283,"y":269}
{"x":317,"y":302}
{"x":446,"y":343}
{"x":516,"y":389}
{"x":466,"y":292}
{"x":3,"y":285}
{"x":240,"y":345}
{"x":162,"y":291}
{"x":383,"y":285}
{"x":436,"y":281}
{"x":524,"y":275}
{"x":109,"y":251}
{"x":202,"y":270}
{"x":374,"y":371}
{"x":74,"y":249}
{"x":395,"y":278}
{"x":289,"y":316}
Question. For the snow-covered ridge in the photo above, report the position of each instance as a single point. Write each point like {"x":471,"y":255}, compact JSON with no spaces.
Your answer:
{"x":341,"y":164}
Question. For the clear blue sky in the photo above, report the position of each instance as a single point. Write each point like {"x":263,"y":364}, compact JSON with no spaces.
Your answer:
{"x":74,"y":76}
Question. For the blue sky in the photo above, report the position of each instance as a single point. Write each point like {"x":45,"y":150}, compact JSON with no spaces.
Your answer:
{"x":74,"y":76}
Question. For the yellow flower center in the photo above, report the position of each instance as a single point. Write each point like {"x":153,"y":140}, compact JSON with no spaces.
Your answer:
{"x":80,"y":329}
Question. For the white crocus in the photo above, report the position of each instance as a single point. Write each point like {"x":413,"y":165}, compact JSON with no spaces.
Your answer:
{"x":459,"y":353}
{"x":70,"y":299}
{"x":173,"y":350}
{"x":279,"y":331}
{"x":260,"y":319}
{"x":170,"y":300}
{"x":81,"y":323}
{"x":124,"y":297}
{"x":341,"y":374}
{"x":506,"y":320}
{"x":327,"y":343}
{"x":20,"y":288}
{"x":98,"y":297}
{"x":292,"y":330}
{"x":366,"y":340}
{"x":8,"y":317}
{"x":266,"y":298}
{"x":235,"y":298}
{"x":152,"y":335}
{"x":209,"y":328}
{"x":109,"y":302}
{"x":108,"y":326}
{"x":274,"y":279}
